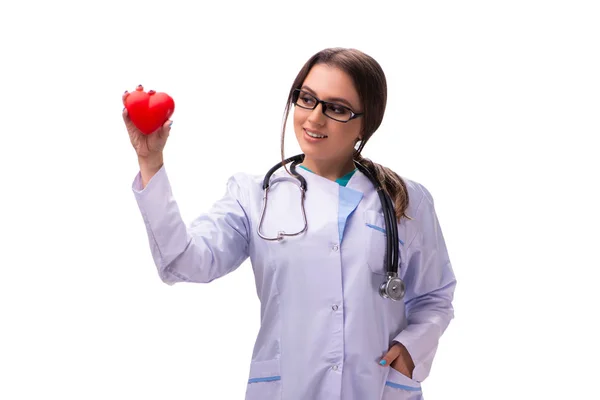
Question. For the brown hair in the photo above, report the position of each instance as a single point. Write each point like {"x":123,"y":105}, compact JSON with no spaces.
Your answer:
{"x":370,"y":83}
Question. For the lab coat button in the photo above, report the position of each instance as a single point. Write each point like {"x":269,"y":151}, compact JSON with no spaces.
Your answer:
{"x":335,"y":367}
{"x":335,"y":247}
{"x":335,"y":307}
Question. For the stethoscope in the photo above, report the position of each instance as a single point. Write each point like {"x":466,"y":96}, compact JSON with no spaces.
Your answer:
{"x":393,"y":288}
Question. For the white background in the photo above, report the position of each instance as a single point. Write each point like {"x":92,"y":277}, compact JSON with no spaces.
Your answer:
{"x":493,"y":106}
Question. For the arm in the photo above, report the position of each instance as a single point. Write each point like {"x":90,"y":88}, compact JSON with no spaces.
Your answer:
{"x":430,"y":284}
{"x":214,"y":244}
{"x":149,"y":166}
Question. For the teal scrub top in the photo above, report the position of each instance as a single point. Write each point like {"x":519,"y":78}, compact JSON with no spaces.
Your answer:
{"x":343,"y":181}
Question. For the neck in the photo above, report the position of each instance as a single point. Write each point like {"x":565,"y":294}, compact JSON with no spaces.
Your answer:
{"x":329,"y":169}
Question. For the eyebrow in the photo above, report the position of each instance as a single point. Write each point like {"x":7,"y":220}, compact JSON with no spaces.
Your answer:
{"x":331,"y":99}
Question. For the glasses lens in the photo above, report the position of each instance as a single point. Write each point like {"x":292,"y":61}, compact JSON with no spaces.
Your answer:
{"x":335,"y":111}
{"x":338,"y":112}
{"x":305,"y":100}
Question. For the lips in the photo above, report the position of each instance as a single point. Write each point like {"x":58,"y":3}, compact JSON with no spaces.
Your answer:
{"x":315,"y":134}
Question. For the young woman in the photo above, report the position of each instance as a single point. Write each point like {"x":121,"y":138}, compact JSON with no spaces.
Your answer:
{"x":328,"y":331}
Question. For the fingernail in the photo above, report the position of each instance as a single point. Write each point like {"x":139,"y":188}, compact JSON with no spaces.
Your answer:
{"x":171,"y":124}
{"x":382,"y":362}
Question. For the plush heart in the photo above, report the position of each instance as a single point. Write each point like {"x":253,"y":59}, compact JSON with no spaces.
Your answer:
{"x":149,"y":111}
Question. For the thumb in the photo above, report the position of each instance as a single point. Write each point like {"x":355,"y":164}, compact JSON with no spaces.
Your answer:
{"x":390,"y":356}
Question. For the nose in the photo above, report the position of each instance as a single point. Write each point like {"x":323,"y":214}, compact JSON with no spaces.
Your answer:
{"x":316,"y":116}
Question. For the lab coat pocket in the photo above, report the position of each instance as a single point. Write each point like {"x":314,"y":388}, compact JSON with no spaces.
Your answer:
{"x":376,"y":239}
{"x":265,"y":381}
{"x":401,"y":387}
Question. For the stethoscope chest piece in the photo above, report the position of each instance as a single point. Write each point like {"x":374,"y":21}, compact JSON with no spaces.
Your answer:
{"x":393,"y":288}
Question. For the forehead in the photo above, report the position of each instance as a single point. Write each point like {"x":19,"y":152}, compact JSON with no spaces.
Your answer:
{"x":330,"y":83}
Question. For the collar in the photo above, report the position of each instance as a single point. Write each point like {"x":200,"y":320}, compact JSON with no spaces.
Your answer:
{"x":343,"y":181}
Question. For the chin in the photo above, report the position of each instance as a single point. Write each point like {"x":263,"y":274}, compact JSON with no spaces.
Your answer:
{"x":311,"y":152}
{"x":305,"y":148}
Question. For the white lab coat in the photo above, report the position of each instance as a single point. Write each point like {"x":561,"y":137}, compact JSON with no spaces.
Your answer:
{"x":324,"y":326}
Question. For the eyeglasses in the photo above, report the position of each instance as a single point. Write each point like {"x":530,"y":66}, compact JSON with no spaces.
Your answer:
{"x":334,"y":111}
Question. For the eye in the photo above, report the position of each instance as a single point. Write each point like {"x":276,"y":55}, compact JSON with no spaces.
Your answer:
{"x":307,"y":100}
{"x":337,"y":109}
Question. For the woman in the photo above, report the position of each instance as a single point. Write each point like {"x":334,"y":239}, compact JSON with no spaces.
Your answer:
{"x":326,"y":332}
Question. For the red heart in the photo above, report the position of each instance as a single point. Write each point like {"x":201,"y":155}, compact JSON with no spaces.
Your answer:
{"x":149,"y":111}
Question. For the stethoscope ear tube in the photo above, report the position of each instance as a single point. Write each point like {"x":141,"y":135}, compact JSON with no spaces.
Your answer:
{"x":266,"y":182}
{"x":295,"y":160}
{"x":297,"y":175}
{"x":393,"y":230}
{"x":393,"y":288}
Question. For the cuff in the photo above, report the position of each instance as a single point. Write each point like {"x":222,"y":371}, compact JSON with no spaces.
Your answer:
{"x":420,"y":351}
{"x":136,"y":186}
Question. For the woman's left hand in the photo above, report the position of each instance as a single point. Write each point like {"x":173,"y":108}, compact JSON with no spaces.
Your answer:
{"x":398,"y":358}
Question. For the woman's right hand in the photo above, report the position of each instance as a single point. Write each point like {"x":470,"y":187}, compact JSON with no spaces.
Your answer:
{"x":148,"y":147}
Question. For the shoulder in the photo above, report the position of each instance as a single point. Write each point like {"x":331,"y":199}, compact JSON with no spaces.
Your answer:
{"x":245,"y":186}
{"x":421,"y":210}
{"x":245,"y":180}
{"x":419,"y":197}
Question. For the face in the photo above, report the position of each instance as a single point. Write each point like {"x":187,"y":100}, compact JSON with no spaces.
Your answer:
{"x":337,"y":139}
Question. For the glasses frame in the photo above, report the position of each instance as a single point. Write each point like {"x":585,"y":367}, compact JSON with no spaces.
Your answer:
{"x":296,"y":96}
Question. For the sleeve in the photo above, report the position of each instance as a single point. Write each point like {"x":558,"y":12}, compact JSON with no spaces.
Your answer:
{"x":213,"y":245}
{"x":430,"y":284}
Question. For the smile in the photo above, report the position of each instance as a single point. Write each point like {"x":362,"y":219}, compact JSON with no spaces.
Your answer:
{"x":315,"y":135}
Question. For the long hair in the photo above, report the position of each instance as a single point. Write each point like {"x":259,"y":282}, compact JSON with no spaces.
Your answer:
{"x":370,"y":83}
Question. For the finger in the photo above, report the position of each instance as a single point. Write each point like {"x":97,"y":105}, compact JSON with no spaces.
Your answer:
{"x":125,"y":112}
{"x":128,"y":122}
{"x":390,"y":356}
{"x":166,"y":129}
{"x":125,"y":115}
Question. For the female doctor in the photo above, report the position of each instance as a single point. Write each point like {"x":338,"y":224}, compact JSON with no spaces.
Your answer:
{"x":318,"y":252}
